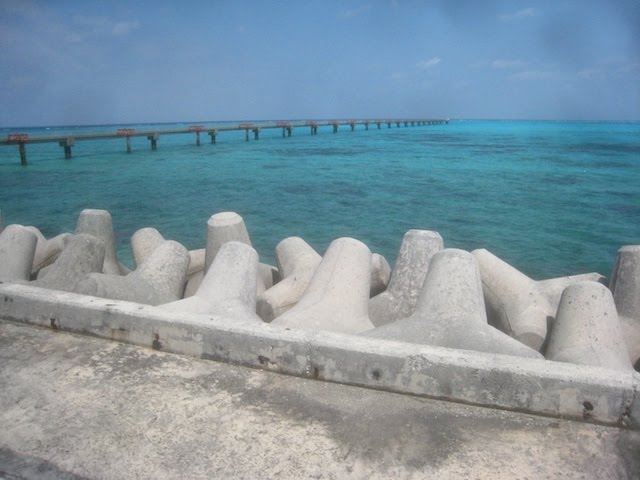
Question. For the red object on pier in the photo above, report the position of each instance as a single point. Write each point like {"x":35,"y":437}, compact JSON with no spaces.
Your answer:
{"x":126,"y":132}
{"x":18,"y":137}
{"x":196,"y":128}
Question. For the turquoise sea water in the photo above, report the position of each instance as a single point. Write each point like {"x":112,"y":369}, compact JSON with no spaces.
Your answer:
{"x":551,"y":198}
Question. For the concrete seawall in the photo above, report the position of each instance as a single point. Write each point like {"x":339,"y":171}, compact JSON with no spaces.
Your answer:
{"x":500,"y":381}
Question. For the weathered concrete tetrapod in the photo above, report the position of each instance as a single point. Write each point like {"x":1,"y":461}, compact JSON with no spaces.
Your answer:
{"x":587,"y":330}
{"x":399,"y":299}
{"x":17,"y":250}
{"x":625,"y":285}
{"x":336,"y":298}
{"x":160,"y":279}
{"x":297,"y":262}
{"x":229,"y":287}
{"x":99,"y":224}
{"x":451,"y":311}
{"x":517,"y":304}
{"x":47,"y":251}
{"x":84,"y":254}
{"x":144,"y":242}
{"x":221,"y":228}
{"x":1,"y":222}
{"x":380,"y":274}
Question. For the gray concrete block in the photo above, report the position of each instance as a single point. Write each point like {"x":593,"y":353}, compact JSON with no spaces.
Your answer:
{"x":451,"y":312}
{"x":228,"y":288}
{"x":143,"y":243}
{"x":17,"y":251}
{"x":84,"y":254}
{"x":380,"y":274}
{"x":552,"y":288}
{"x":513,"y":301}
{"x":1,"y":222}
{"x":160,"y":279}
{"x":586,"y":330}
{"x":625,"y":285}
{"x":297,"y":262}
{"x":408,"y":274}
{"x":221,"y":228}
{"x":47,"y":251}
{"x":99,"y":224}
{"x":337,"y":296}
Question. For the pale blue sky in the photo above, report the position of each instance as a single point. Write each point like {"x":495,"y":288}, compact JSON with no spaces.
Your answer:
{"x":93,"y":62}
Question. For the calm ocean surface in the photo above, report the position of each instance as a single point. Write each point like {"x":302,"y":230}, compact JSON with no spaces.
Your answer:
{"x":551,"y":198}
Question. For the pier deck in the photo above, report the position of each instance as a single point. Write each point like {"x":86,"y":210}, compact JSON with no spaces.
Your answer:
{"x":69,"y":139}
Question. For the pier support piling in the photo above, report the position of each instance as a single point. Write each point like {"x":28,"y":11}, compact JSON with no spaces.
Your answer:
{"x":213,"y":134}
{"x":366,"y":125}
{"x":335,"y":128}
{"x":128,"y":140}
{"x":198,"y":138}
{"x":67,"y":143}
{"x":23,"y":154}
{"x":154,"y":141}
{"x":256,"y":133}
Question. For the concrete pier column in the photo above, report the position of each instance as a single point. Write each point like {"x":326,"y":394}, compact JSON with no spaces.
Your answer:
{"x":284,"y":130}
{"x":353,"y":126}
{"x":388,"y":124}
{"x":315,"y":129}
{"x":256,"y":133}
{"x":23,"y":154}
{"x":366,"y":125}
{"x":128,"y":139}
{"x":213,"y":134}
{"x":67,"y":143}
{"x":335,"y":128}
{"x":406,"y":124}
{"x":378,"y":123}
{"x":246,"y":134}
{"x":398,"y":124}
{"x":198,"y":138}
{"x":289,"y":129}
{"x":154,"y":140}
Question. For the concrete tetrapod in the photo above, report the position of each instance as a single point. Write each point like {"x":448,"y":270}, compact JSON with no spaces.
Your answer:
{"x":408,"y":274}
{"x":84,"y":254}
{"x":229,"y":287}
{"x":1,"y":222}
{"x":625,"y":285}
{"x":380,"y":274}
{"x":160,"y":279}
{"x":517,"y":304}
{"x":47,"y":251}
{"x":586,"y":330}
{"x":225,"y":227}
{"x":297,"y":262}
{"x":17,"y":250}
{"x":99,"y":224}
{"x":451,"y":311}
{"x":336,"y":298}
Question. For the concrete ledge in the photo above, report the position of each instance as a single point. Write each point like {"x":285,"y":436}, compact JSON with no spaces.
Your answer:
{"x":500,"y":381}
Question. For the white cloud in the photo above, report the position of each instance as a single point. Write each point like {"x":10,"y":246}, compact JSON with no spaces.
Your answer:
{"x":531,"y":75}
{"x":588,"y":73}
{"x":501,"y":63}
{"x":431,"y":62}
{"x":527,"y":12}
{"x":122,"y":28}
{"x":353,"y":12}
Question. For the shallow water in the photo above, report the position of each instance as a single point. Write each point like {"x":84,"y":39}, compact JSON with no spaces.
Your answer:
{"x":551,"y":198}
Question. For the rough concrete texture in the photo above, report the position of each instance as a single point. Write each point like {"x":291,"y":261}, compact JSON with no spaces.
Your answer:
{"x":535,"y":386}
{"x":228,"y":288}
{"x":221,"y":228}
{"x":84,"y":254}
{"x":17,"y":250}
{"x":400,"y":298}
{"x":76,"y":407}
{"x":380,"y":274}
{"x":47,"y":251}
{"x":1,"y":222}
{"x":337,"y":296}
{"x":99,"y":224}
{"x":297,"y":262}
{"x":451,"y":311}
{"x":514,"y":304}
{"x":160,"y":279}
{"x":586,"y":330}
{"x":552,"y":288}
{"x":625,"y":285}
{"x":143,"y":243}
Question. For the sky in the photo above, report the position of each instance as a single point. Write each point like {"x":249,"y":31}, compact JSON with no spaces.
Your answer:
{"x":96,"y":62}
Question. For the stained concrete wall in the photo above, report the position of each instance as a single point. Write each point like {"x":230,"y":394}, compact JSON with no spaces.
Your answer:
{"x":501,"y":381}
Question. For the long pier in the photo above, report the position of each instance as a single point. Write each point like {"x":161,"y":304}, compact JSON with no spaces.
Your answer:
{"x":67,"y":141}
